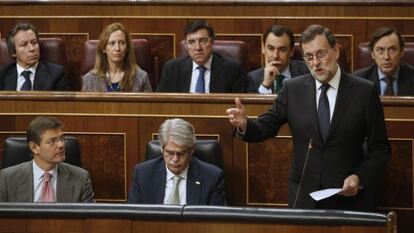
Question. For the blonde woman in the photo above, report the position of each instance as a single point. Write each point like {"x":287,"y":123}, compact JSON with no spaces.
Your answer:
{"x":115,"y":65}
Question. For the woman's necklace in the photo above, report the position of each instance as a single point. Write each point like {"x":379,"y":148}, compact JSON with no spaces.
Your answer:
{"x":114,"y":86}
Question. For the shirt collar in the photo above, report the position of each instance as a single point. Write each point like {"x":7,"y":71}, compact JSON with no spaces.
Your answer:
{"x":334,"y":83}
{"x":286,"y":72}
{"x":20,"y":69}
{"x":381,"y":74}
{"x":38,"y":172}
{"x":183,"y":173}
{"x":207,"y":65}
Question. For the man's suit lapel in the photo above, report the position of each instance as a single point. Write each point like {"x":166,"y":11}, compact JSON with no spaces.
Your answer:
{"x":41,"y":75}
{"x":342,"y":101}
{"x":309,"y":95}
{"x":64,"y":192}
{"x":194,"y":183}
{"x":186,"y":72}
{"x":373,"y":76}
{"x":158,"y":183}
{"x":24,"y":183}
{"x":216,"y":69}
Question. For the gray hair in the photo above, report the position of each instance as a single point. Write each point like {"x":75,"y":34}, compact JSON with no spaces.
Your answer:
{"x":177,"y":130}
{"x":317,"y":30}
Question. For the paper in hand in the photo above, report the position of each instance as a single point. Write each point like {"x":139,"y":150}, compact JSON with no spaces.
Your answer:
{"x":324,"y":193}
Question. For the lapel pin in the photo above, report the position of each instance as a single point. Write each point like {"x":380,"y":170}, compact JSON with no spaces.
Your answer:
{"x":197,"y":182}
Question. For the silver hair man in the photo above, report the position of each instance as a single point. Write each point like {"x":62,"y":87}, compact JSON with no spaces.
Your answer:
{"x":177,"y":130}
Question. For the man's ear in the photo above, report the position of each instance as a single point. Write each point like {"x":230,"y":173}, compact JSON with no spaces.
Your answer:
{"x":34,"y":147}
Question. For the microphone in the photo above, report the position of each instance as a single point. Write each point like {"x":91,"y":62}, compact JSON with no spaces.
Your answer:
{"x":303,"y":171}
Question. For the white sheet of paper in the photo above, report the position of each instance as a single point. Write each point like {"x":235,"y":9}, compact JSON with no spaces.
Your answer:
{"x":324,"y":193}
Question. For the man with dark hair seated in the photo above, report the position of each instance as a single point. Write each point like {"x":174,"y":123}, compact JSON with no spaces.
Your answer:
{"x":177,"y":177}
{"x":278,"y":47}
{"x":46,"y":178}
{"x":28,"y":73}
{"x":203,"y":71}
{"x":391,"y":75}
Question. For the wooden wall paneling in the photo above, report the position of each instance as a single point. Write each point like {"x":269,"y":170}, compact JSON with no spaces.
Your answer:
{"x":74,"y":49}
{"x":202,"y":9}
{"x":254,"y":45}
{"x":396,"y":185}
{"x":162,"y":46}
{"x":108,"y":225}
{"x":117,"y":135}
{"x":267,"y":171}
{"x":106,"y":167}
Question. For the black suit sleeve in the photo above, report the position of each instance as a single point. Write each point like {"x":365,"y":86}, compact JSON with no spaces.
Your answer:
{"x":239,"y":81}
{"x":252,"y":85}
{"x":269,"y":123}
{"x":217,"y":196}
{"x":62,"y":82}
{"x":135,"y":191}
{"x":379,"y":150}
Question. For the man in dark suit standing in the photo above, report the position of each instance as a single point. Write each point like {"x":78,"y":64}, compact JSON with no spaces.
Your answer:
{"x":391,"y":75}
{"x":177,"y":177}
{"x":331,"y":114}
{"x":203,"y":71}
{"x":46,"y":178}
{"x":278,"y":47}
{"x":28,"y":73}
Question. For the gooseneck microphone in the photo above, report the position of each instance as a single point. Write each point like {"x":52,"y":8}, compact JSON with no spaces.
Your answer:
{"x":303,"y":171}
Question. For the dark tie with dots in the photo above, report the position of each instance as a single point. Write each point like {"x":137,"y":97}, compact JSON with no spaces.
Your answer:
{"x":200,"y":86}
{"x":27,"y":85}
{"x":323,"y":112}
{"x":279,"y":83}
{"x":389,"y":90}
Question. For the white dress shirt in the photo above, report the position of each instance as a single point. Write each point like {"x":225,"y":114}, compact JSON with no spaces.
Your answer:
{"x":207,"y":74}
{"x":21,"y":79}
{"x":182,"y":186}
{"x":38,"y":181}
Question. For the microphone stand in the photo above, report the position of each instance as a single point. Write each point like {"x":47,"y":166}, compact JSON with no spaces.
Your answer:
{"x":303,"y":172}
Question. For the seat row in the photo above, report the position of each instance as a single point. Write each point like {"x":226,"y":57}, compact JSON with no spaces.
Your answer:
{"x":53,"y":50}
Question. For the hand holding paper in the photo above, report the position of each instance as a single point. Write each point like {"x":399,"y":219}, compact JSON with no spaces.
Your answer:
{"x":325,"y":193}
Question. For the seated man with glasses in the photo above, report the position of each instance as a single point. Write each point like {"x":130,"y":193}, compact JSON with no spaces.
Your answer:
{"x":177,"y":178}
{"x":391,"y":75}
{"x":203,"y":71}
{"x":46,"y":178}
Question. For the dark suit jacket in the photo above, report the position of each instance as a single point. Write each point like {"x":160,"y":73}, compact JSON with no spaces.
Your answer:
{"x":405,"y":79}
{"x":255,"y":77}
{"x":73,"y":184}
{"x":205,"y":183}
{"x":48,"y":77}
{"x":227,"y":75}
{"x":358,"y":117}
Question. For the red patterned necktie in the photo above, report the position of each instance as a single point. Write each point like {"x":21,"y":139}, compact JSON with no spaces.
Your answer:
{"x":47,"y":194}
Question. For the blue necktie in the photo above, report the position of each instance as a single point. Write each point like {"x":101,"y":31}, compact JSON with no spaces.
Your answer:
{"x":323,"y":112}
{"x":27,"y":85}
{"x":200,"y":87}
